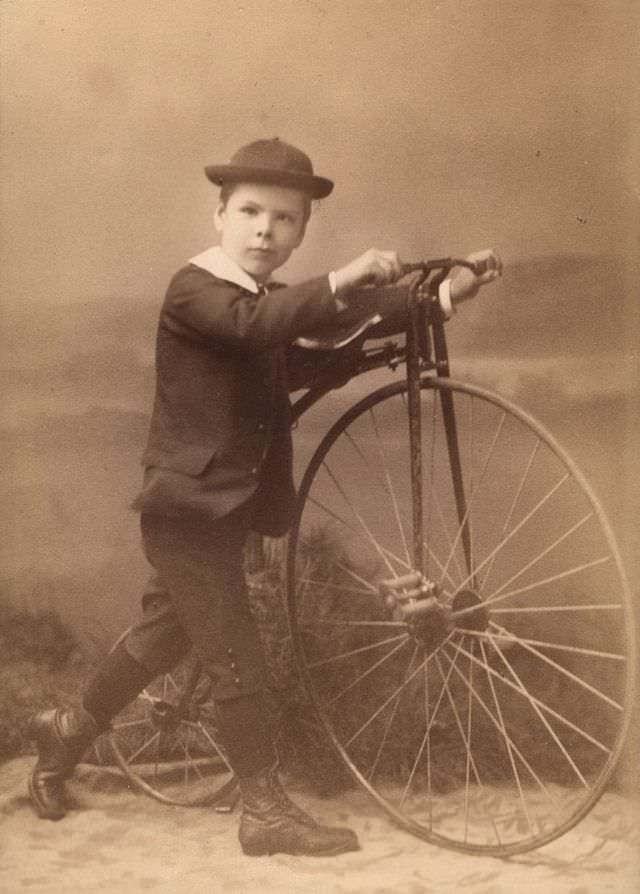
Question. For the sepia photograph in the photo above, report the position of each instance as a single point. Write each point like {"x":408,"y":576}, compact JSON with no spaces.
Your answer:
{"x":320,"y":433}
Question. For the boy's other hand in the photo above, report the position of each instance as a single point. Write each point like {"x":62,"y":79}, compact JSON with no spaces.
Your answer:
{"x":466,"y":284}
{"x":373,"y":268}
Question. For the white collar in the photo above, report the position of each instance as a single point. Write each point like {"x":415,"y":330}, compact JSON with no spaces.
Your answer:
{"x":216,"y":261}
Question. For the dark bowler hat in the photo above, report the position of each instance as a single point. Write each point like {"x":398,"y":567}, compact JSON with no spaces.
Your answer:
{"x":271,"y":161}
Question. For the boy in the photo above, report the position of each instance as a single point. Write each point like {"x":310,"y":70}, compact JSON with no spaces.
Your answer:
{"x":218,"y":465}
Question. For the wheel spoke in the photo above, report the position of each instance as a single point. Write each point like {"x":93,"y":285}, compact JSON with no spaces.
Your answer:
{"x":468,"y":760}
{"x":526,"y":642}
{"x":512,"y":507}
{"x":529,"y":646}
{"x":130,"y":724}
{"x":474,"y":493}
{"x":338,"y":622}
{"x":506,"y":738}
{"x":445,"y":571}
{"x":331,"y":585}
{"x":545,"y":552}
{"x":534,"y":609}
{"x":427,"y":718}
{"x":425,"y":743}
{"x":535,"y":705}
{"x":481,"y":702}
{"x":389,"y":722}
{"x":168,"y":678}
{"x":386,"y":702}
{"x":382,"y":553}
{"x":536,"y":702}
{"x":467,"y":744}
{"x":389,"y":487}
{"x":498,"y":735}
{"x":456,"y":714}
{"x":369,"y":670}
{"x":136,"y":754}
{"x":490,"y":600}
{"x":216,"y":747}
{"x":502,"y":543}
{"x":359,"y":651}
{"x":357,"y":577}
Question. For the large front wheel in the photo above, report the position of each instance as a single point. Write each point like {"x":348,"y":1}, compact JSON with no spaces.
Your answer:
{"x":480,"y":691}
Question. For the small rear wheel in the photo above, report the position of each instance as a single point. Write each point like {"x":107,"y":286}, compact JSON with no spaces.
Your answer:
{"x":166,"y":742}
{"x":482,"y":702}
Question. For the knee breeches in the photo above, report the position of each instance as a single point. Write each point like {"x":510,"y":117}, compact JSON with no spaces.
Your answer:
{"x":198,"y":596}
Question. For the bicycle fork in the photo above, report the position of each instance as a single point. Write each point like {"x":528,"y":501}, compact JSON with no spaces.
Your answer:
{"x":412,"y":597}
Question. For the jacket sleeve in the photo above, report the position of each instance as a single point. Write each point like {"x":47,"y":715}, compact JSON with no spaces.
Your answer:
{"x":197,"y":303}
{"x":388,"y":301}
{"x":307,"y":365}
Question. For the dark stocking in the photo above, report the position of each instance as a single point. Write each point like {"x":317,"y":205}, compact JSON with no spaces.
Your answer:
{"x":118,"y":680}
{"x":245,"y":734}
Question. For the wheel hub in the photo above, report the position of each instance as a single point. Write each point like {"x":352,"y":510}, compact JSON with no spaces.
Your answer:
{"x":474,"y":614}
{"x":165,"y":716}
{"x":415,"y":600}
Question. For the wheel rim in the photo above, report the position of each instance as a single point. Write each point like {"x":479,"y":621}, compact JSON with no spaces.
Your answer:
{"x":492,"y":723}
{"x":166,"y":741}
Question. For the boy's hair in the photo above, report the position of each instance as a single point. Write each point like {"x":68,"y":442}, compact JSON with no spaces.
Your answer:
{"x":227,"y":190}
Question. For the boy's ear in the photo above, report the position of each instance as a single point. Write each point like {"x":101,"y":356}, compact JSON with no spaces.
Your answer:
{"x":218,"y":216}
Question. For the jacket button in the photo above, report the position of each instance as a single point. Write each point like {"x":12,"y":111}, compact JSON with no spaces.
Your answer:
{"x":254,"y":471}
{"x":229,"y":651}
{"x":233,"y":665}
{"x":238,"y":681}
{"x":261,"y":426}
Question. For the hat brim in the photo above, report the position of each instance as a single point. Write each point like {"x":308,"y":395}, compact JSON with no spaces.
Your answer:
{"x":316,"y":187}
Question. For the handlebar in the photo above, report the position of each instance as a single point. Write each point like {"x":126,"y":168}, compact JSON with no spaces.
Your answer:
{"x":440,"y":266}
{"x":444,"y":265}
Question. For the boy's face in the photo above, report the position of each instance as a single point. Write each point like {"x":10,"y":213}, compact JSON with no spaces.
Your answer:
{"x":260,"y":226}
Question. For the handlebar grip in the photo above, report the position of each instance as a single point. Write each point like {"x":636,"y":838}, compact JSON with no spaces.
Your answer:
{"x":480,"y":267}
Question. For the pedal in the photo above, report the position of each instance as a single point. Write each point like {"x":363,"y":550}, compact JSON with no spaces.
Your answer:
{"x":409,"y":595}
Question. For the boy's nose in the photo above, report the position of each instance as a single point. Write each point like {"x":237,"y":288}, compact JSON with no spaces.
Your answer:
{"x":263,"y":227}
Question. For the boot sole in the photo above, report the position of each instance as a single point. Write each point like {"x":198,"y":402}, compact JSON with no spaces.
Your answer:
{"x":250,"y":851}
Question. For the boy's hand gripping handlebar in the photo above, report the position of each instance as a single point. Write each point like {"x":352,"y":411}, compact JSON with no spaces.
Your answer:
{"x":445,"y":265}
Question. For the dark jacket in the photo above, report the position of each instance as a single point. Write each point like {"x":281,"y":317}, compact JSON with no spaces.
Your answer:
{"x":220,"y":428}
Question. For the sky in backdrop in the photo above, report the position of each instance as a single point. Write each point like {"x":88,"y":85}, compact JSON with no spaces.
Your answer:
{"x":447,"y":126}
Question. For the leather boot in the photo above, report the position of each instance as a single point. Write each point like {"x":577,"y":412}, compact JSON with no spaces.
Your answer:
{"x":272,"y":824}
{"x":61,"y":737}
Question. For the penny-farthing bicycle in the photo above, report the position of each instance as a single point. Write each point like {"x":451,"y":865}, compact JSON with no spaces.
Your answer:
{"x":456,"y":600}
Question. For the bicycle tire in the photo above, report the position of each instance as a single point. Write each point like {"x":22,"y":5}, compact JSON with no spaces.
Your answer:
{"x":166,"y":741}
{"x":496,"y":730}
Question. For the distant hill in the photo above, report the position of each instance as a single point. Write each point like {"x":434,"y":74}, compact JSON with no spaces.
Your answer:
{"x":556,"y":335}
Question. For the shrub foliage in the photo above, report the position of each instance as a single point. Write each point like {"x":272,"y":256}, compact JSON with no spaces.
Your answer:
{"x":40,"y":665}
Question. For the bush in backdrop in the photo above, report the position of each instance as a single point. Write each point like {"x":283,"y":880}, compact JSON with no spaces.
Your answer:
{"x":41,"y":664}
{"x":302,"y":741}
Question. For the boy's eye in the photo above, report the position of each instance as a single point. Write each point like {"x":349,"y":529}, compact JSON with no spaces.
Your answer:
{"x":286,"y":217}
{"x":248,"y":209}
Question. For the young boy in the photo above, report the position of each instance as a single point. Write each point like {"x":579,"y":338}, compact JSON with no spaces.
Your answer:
{"x":217,"y":466}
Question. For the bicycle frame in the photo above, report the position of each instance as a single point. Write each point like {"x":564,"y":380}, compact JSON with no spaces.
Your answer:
{"x":421,"y":355}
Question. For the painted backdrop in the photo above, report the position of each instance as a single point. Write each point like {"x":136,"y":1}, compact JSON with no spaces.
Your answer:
{"x":447,"y":126}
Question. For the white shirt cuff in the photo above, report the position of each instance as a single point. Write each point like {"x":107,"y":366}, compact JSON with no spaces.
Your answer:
{"x":444,"y":296}
{"x":333,"y":285}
